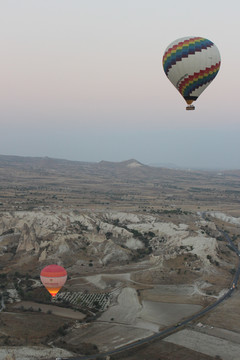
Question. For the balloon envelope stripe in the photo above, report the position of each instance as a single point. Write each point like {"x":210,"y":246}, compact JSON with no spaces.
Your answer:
{"x":53,"y":270}
{"x":183,"y":49}
{"x":53,"y":274}
{"x":193,"y":82}
{"x":52,"y":281}
{"x":186,"y":44}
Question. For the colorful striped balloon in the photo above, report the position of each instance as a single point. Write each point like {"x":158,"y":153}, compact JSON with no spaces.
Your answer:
{"x":191,"y":63}
{"x":53,"y":278}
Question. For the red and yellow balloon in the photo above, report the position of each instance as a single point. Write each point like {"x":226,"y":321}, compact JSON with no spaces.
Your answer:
{"x":53,"y":278}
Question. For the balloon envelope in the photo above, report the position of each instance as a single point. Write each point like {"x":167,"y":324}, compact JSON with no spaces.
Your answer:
{"x":191,"y":63}
{"x":53,"y":278}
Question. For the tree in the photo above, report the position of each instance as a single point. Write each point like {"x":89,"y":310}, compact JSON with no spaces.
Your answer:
{"x":97,"y":305}
{"x":209,"y":257}
{"x":108,"y":235}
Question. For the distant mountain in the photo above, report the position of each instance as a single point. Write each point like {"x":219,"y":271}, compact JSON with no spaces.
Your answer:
{"x":37,"y":161}
{"x":131,"y":168}
{"x":48,"y":161}
{"x":132,"y":163}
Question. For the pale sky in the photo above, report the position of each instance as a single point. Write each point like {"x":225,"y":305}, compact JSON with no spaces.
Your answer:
{"x":83,"y":80}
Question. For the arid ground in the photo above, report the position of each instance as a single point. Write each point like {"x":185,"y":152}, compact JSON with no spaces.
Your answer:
{"x":139,"y":255}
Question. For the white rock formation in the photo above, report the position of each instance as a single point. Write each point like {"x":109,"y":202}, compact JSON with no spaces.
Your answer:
{"x":224,"y":217}
{"x":28,"y":239}
{"x":134,"y":244}
{"x":108,"y":236}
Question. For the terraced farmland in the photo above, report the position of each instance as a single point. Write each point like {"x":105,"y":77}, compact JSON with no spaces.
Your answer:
{"x":88,"y":300}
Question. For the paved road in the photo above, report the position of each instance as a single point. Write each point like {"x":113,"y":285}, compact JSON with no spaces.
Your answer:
{"x":166,"y":332}
{"x":235,"y":249}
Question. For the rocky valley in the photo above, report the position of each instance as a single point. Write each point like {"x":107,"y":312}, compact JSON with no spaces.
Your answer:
{"x":143,"y":248}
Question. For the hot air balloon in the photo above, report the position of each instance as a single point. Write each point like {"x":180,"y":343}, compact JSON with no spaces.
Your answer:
{"x":53,"y":278}
{"x":191,"y":63}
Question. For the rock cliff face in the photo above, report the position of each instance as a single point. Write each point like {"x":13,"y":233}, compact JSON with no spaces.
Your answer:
{"x":112,"y":237}
{"x":28,"y":239}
